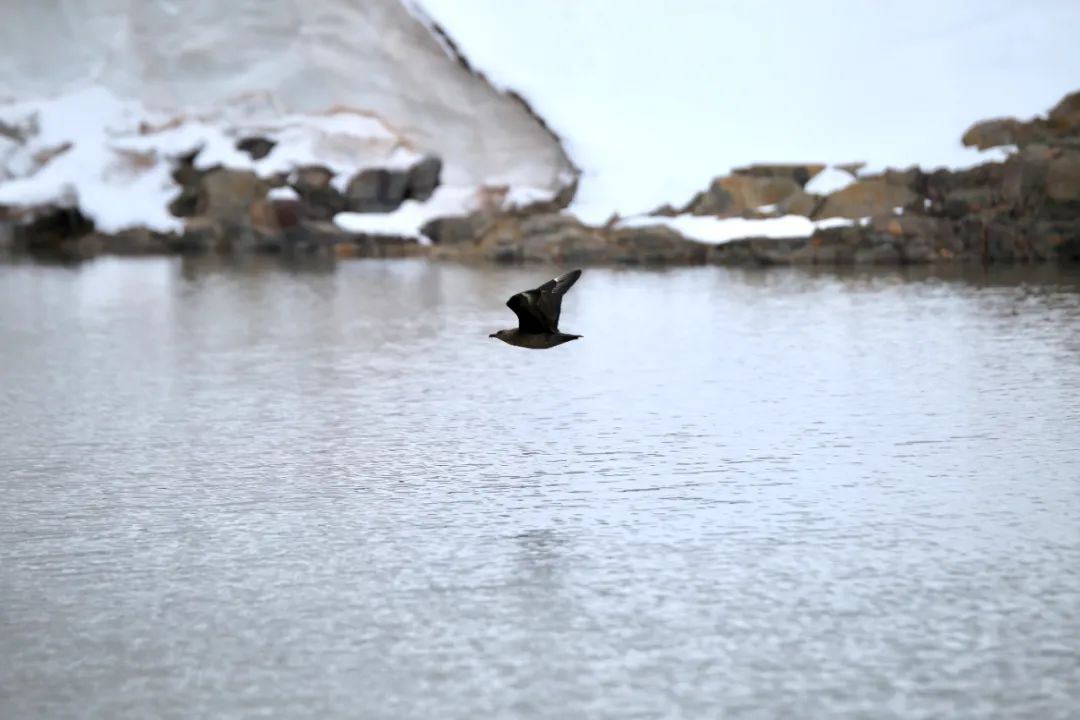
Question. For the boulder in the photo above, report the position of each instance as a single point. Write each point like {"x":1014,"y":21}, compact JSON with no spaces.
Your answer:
{"x":994,"y":133}
{"x":456,"y":229}
{"x":422,"y":178}
{"x":800,"y":203}
{"x":381,"y":190}
{"x":866,"y":197}
{"x":1062,"y":181}
{"x":321,"y":199}
{"x":655,"y":245}
{"x":739,"y":194}
{"x":226,"y":195}
{"x":1065,"y":116}
{"x":201,"y":234}
{"x":256,"y":147}
{"x":801,"y":174}
{"x":377,"y":190}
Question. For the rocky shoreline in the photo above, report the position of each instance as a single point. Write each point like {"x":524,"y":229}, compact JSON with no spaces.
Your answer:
{"x":1024,"y":208}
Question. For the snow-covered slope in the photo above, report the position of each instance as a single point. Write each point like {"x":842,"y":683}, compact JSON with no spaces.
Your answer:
{"x":655,"y":98}
{"x":106,"y":90}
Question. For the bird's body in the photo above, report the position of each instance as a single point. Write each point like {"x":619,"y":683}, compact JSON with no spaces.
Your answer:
{"x":538,"y":315}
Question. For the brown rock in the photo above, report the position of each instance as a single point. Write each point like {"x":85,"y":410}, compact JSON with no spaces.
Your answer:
{"x":1065,"y":116}
{"x":801,"y":203}
{"x":733,"y":196}
{"x":256,"y":147}
{"x":201,"y":234}
{"x":866,"y":197}
{"x":801,"y":174}
{"x":1063,"y":178}
{"x":288,"y":213}
{"x":993,"y":133}
{"x":656,"y":245}
{"x":377,"y":190}
{"x":312,"y":178}
{"x":263,"y":217}
{"x":321,"y":200}
{"x":226,"y":195}
{"x":456,"y":229}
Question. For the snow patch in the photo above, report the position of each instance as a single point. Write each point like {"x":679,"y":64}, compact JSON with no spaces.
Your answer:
{"x":717,"y":231}
{"x":283,"y":193}
{"x":828,"y":181}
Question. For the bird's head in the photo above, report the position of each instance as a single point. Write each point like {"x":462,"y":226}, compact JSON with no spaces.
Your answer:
{"x":500,"y":334}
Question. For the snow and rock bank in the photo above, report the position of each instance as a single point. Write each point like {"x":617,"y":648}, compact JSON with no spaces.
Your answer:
{"x":107,"y":94}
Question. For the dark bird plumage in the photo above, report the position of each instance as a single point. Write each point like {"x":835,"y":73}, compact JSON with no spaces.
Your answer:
{"x":538,"y":315}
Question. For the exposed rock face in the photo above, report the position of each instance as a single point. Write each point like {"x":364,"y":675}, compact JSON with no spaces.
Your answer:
{"x":1060,"y":127}
{"x":1026,"y":208}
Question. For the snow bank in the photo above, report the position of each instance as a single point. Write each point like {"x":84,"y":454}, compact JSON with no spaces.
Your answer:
{"x":341,"y":83}
{"x":113,"y":158}
{"x":656,"y":99}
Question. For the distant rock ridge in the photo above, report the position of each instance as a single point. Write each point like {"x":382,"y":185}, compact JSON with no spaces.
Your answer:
{"x":1024,"y":207}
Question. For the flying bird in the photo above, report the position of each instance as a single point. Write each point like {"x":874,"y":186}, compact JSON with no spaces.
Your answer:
{"x":538,"y":315}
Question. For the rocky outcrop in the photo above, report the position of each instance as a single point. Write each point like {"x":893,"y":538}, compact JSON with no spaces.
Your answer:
{"x":1025,"y":208}
{"x":1060,"y":127}
{"x":740,"y":195}
{"x":801,"y":174}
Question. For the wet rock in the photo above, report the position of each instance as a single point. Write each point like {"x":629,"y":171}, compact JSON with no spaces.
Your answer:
{"x":49,"y":227}
{"x":201,"y":235}
{"x":560,"y":238}
{"x":134,"y":241}
{"x":656,"y":245}
{"x":7,"y":235}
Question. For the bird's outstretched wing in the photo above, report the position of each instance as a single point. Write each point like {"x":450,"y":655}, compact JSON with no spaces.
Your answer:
{"x":538,"y":310}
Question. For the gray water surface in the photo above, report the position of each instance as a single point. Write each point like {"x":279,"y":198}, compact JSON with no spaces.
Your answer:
{"x":260,"y":491}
